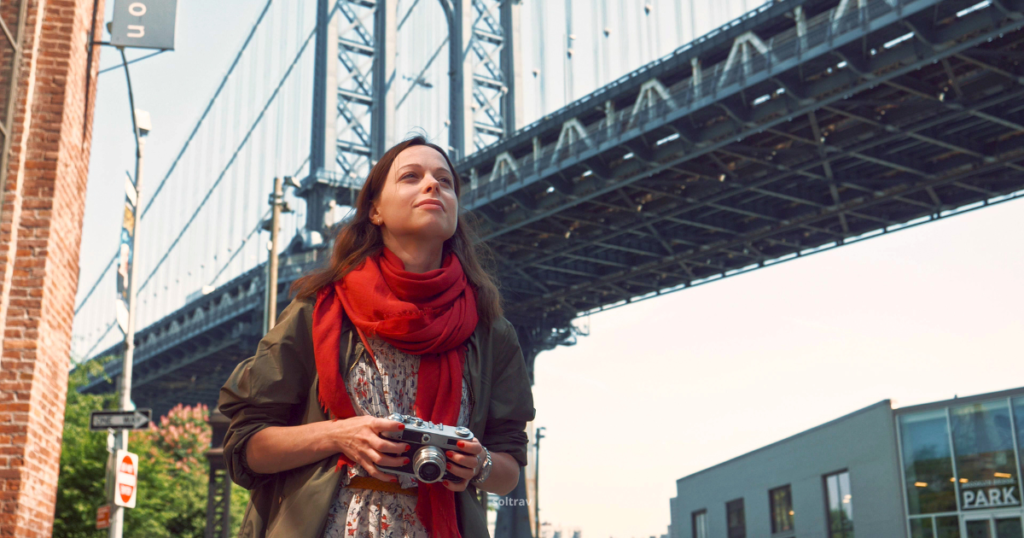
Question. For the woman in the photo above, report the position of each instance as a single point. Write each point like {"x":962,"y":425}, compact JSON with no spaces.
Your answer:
{"x":403,"y":319}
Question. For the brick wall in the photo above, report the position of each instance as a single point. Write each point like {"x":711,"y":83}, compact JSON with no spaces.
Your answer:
{"x":40,"y":232}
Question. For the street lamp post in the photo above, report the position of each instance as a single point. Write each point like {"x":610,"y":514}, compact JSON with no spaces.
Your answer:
{"x":141,"y":128}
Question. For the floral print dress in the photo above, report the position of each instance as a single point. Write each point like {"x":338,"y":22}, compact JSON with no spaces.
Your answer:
{"x":390,"y":387}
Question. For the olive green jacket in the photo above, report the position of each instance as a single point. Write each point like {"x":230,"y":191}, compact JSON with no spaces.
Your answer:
{"x":278,"y":387}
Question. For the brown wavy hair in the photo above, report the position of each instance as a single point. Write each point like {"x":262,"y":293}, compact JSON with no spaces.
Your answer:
{"x":359,"y":239}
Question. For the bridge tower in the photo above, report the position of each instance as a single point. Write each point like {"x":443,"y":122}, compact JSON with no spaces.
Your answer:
{"x":354,"y":95}
{"x":354,"y":111}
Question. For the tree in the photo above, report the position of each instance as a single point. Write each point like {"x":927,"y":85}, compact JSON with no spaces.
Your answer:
{"x":83,"y":460}
{"x":173,"y":471}
{"x":172,"y":476}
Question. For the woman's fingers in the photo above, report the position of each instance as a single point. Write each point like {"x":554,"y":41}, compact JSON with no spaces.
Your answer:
{"x":463,"y":463}
{"x":460,"y":471}
{"x":387,"y":446}
{"x":463,"y":460}
{"x":373,"y":451}
{"x":471,"y":447}
{"x":387,"y":461}
{"x":455,"y":486}
{"x":385,"y":425}
{"x":373,"y":471}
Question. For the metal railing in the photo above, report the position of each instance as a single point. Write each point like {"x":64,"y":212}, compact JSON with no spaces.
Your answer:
{"x":719,"y":80}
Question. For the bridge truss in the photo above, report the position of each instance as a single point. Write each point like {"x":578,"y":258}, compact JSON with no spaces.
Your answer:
{"x":804,"y":126}
{"x":801,"y":127}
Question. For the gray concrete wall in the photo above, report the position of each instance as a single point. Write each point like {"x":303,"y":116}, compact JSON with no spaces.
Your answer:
{"x":863,"y":443}
{"x":675,"y":520}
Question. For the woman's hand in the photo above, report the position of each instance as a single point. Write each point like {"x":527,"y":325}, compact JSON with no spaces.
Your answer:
{"x":464,"y":464}
{"x":359,"y":439}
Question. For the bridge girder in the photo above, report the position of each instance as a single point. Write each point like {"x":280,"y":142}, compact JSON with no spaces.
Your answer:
{"x":858,"y":137}
{"x":786,"y":160}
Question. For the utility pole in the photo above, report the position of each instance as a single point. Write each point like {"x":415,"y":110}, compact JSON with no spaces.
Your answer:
{"x":140,"y":128}
{"x":266,"y":292}
{"x":536,"y":483}
{"x":276,"y":201}
{"x":128,"y":29}
{"x":277,"y":206}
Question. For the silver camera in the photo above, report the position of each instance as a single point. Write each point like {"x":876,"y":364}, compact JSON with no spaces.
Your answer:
{"x":428,"y":443}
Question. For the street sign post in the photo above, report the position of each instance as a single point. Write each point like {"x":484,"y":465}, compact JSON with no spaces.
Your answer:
{"x":138,"y":24}
{"x":120,"y":420}
{"x":146,"y":24}
{"x":126,"y":479}
{"x":103,"y":517}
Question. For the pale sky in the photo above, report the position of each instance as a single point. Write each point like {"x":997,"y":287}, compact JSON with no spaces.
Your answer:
{"x":688,"y":380}
{"x":691,"y":379}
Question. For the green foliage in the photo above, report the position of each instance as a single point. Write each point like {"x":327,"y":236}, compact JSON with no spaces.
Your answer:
{"x":173,"y":472}
{"x":83,"y":461}
{"x":239,"y":501}
{"x":173,"y":476}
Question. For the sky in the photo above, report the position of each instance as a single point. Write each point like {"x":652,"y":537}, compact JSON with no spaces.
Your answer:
{"x":697,"y":377}
{"x":687,"y":380}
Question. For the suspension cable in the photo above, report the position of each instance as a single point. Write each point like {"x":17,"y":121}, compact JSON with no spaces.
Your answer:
{"x":231,"y":161}
{"x":227,"y":263}
{"x":188,"y":141}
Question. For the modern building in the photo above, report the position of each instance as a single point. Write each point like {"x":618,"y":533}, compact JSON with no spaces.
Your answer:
{"x":948,"y":469}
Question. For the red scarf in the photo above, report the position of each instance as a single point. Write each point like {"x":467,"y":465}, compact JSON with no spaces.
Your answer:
{"x":428,"y":314}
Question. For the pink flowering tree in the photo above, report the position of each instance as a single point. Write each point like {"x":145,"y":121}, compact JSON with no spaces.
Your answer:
{"x":184,"y":435}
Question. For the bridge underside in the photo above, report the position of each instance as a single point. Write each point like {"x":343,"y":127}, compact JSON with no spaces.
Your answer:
{"x":192,"y":371}
{"x":914,"y":118}
{"x":860,"y":141}
{"x":186,"y":356}
{"x":197,"y":382}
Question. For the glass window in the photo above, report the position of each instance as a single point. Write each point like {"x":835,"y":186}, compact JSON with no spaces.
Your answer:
{"x":921,"y":528}
{"x":1009,"y":528}
{"x":840,"y":505}
{"x":985,"y":462}
{"x":700,"y":524}
{"x":781,"y":503}
{"x":927,"y":463}
{"x":734,"y":519}
{"x":981,"y":528}
{"x":947,"y":527}
{"x":1018,"y":415}
{"x":941,"y":527}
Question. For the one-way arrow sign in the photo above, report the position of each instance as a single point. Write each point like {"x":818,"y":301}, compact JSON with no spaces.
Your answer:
{"x":120,"y":420}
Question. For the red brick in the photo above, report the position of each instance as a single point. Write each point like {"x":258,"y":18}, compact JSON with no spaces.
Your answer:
{"x":40,"y":233}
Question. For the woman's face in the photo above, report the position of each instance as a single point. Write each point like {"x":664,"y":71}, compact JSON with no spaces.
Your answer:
{"x":418,"y":198}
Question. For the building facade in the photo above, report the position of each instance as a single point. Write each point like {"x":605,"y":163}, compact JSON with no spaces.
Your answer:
{"x":47,"y":94}
{"x":948,"y":469}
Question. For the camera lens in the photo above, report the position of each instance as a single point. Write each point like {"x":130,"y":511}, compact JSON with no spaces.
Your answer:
{"x":428,"y":463}
{"x":429,"y":472}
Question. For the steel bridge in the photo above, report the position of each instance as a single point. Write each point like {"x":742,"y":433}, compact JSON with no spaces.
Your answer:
{"x":802,"y":126}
